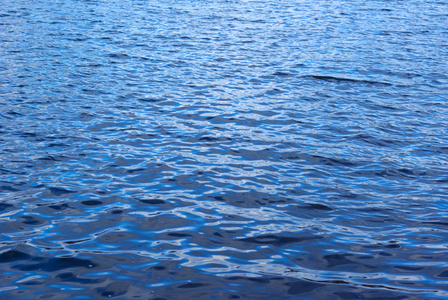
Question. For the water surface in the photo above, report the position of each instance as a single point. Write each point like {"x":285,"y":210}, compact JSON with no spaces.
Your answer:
{"x":223,"y":149}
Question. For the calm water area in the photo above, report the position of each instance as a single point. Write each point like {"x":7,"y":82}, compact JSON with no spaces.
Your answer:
{"x":224,"y":149}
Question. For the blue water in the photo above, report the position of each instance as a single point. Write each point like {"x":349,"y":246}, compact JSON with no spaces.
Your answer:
{"x":223,"y":149}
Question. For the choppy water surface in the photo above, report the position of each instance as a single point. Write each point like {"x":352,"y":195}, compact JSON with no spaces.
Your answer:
{"x":224,"y":149}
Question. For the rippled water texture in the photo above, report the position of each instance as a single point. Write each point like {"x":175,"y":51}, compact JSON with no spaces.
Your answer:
{"x":273,"y":149}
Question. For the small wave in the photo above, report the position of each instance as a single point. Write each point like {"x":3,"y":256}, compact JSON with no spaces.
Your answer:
{"x":347,"y":80}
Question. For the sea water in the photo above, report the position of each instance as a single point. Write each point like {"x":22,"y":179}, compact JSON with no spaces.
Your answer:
{"x":225,"y":149}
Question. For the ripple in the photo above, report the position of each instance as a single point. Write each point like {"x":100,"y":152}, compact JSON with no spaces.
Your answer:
{"x":223,"y":149}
